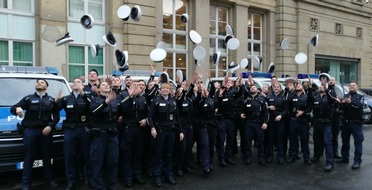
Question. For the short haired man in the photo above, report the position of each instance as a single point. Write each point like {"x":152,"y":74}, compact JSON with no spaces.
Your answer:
{"x":40,"y":119}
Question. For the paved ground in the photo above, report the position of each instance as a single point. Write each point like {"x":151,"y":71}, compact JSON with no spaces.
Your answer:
{"x":240,"y":176}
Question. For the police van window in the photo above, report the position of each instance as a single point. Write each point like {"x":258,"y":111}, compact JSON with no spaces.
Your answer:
{"x":17,"y":88}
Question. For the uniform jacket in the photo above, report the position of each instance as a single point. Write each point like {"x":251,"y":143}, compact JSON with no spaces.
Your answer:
{"x":40,"y":111}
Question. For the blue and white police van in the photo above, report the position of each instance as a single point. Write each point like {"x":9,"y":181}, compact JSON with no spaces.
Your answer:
{"x":16,"y":82}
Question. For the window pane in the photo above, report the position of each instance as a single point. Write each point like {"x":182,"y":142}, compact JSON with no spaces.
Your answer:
{"x":22,"y":64}
{"x":249,"y":32}
{"x":98,"y":60}
{"x":4,"y":3}
{"x":222,"y":15}
{"x":181,"y":61}
{"x":180,"y":41}
{"x":222,"y":28}
{"x":22,"y":51}
{"x":256,"y":33}
{"x":4,"y":51}
{"x":168,"y":62}
{"x":75,"y":71}
{"x":76,"y":8}
{"x":179,"y":24}
{"x":76,"y":54}
{"x":256,"y":49}
{"x":167,"y":38}
{"x":22,"y":5}
{"x":212,"y":44}
{"x":222,"y":45}
{"x":212,"y":13}
{"x":257,"y":20}
{"x":167,"y":21}
{"x":212,"y":27}
{"x":95,"y":9}
{"x":19,"y":25}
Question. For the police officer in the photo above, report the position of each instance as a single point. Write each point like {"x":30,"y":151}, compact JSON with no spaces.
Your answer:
{"x":104,"y":148}
{"x":165,"y":124}
{"x":278,"y":109}
{"x":133,"y":110}
{"x":352,"y":107}
{"x":39,"y":121}
{"x":255,"y":117}
{"x":91,"y":87}
{"x":206,"y":127}
{"x":322,"y":119}
{"x":336,"y":119}
{"x":225,"y":127}
{"x":90,"y":90}
{"x":183,"y":150}
{"x":299,"y":113}
{"x":77,"y":108}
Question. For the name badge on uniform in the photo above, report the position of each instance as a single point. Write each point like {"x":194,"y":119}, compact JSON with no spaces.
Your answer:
{"x":271,"y":100}
{"x":171,"y":117}
{"x":316,"y":102}
{"x":225,"y":99}
{"x":70,"y":106}
{"x":295,"y":100}
{"x":134,"y":103}
{"x":185,"y":105}
{"x":205,"y":105}
{"x":83,"y":118}
{"x":249,"y":105}
{"x":162,"y":104}
{"x":35,"y":101}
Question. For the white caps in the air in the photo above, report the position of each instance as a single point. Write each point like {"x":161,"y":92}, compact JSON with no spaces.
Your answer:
{"x":300,"y":58}
{"x":271,"y":68}
{"x":244,"y":63}
{"x":195,"y":37}
{"x":124,"y":12}
{"x":216,"y":57}
{"x":109,"y":39}
{"x":184,"y":18}
{"x":199,"y":53}
{"x":65,"y":39}
{"x":284,"y":44}
{"x":87,"y":21}
{"x":136,"y":13}
{"x":158,"y":55}
{"x":256,"y":61}
{"x":94,"y":49}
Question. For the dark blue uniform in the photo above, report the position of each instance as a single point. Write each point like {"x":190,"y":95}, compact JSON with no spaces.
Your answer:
{"x":206,"y":126}
{"x":164,"y":117}
{"x":256,"y":113}
{"x":353,"y":125}
{"x":322,"y":120}
{"x":183,"y":150}
{"x":132,"y":110}
{"x":104,"y":146}
{"x":225,"y":127}
{"x":299,"y":126}
{"x":336,"y":122}
{"x":41,"y":111}
{"x":76,"y":139}
{"x":276,"y":128}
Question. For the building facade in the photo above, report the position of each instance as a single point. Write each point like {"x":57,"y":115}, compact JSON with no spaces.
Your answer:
{"x":31,"y":27}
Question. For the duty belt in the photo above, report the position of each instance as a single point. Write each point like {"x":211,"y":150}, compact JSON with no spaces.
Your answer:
{"x":352,"y":121}
{"x":73,"y":126}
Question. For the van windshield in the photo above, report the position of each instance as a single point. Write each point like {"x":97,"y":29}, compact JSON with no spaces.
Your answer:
{"x":14,"y":89}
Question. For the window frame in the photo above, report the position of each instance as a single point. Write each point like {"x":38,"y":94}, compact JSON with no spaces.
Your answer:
{"x":85,"y":44}
{"x":10,"y":12}
{"x":86,"y":63}
{"x":252,"y":41}
{"x":174,"y":51}
{"x":224,"y":55}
